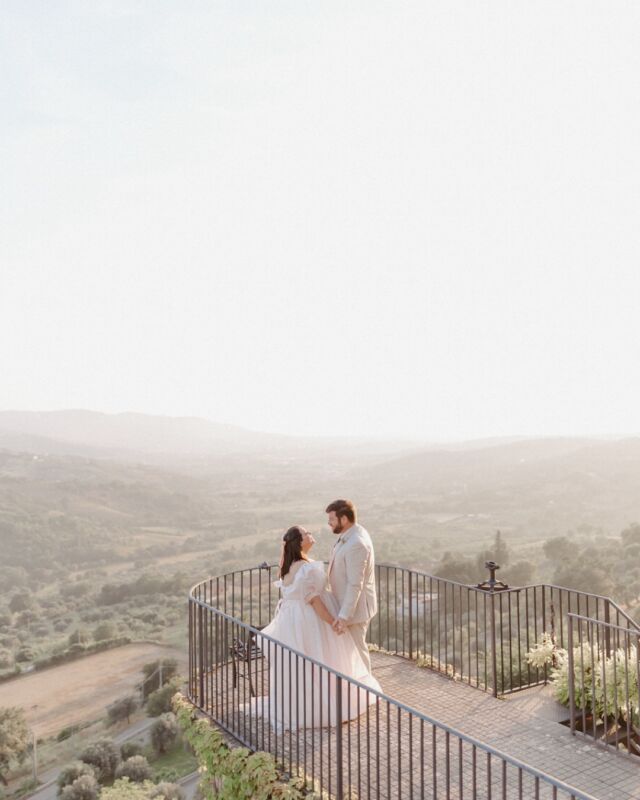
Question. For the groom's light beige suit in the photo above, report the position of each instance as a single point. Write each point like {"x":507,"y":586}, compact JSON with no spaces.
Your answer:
{"x":352,"y":579}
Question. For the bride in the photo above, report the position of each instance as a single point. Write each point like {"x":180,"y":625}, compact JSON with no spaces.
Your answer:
{"x":302,"y":694}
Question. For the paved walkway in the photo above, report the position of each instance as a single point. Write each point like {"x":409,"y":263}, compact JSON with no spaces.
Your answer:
{"x":388,"y":753}
{"x":524,"y":725}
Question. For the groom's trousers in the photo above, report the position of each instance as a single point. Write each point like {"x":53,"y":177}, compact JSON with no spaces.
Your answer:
{"x":358,"y":632}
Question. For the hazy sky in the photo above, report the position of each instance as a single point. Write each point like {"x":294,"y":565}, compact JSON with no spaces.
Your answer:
{"x":324,"y":217}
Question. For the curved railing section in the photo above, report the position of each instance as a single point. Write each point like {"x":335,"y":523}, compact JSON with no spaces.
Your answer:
{"x":481,"y":637}
{"x":273,"y":698}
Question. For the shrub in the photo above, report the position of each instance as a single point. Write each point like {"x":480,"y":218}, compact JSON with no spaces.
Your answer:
{"x":128,"y":749}
{"x":159,"y":702}
{"x":72,"y":772}
{"x":22,"y":601}
{"x":79,"y":636}
{"x":104,"y":756}
{"x":67,"y":732}
{"x":25,"y":654}
{"x":122,"y":709}
{"x":14,"y":738}
{"x":151,"y":672}
{"x":168,"y":791}
{"x":6,"y":659}
{"x":232,"y":773}
{"x":164,"y":732}
{"x":125,"y":789}
{"x":106,"y":630}
{"x":83,"y":788}
{"x":135,"y":768}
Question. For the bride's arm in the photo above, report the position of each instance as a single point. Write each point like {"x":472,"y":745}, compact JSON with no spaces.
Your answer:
{"x":321,"y":610}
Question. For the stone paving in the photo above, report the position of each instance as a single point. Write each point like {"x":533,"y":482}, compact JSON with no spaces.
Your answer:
{"x":520,"y":725}
{"x":388,"y":753}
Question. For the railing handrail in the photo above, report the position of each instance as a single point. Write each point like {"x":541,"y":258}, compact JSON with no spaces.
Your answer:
{"x":449,"y":581}
{"x":602,"y":623}
{"x":577,"y":794}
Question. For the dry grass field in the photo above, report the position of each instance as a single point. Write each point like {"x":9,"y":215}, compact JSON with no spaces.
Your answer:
{"x":80,"y":691}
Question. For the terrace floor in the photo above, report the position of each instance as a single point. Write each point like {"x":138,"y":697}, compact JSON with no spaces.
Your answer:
{"x":391,"y":757}
{"x":524,"y":725}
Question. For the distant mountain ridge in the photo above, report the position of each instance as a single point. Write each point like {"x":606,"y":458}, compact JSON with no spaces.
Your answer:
{"x":94,"y":433}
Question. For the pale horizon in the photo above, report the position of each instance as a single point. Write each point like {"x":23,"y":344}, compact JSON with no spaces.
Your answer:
{"x":400,"y":222}
{"x":391,"y":437}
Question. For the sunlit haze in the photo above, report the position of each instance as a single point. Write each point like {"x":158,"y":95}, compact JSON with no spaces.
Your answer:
{"x":413,"y":219}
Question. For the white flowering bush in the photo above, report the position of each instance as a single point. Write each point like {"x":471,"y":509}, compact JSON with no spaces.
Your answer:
{"x":587,"y":683}
{"x":543,"y":653}
{"x":605,"y":685}
{"x":621,"y":678}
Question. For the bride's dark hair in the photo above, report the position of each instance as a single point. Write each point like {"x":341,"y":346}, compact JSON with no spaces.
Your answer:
{"x":291,"y":549}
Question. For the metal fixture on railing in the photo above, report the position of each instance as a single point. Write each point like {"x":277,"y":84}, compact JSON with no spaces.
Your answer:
{"x":493,"y":584}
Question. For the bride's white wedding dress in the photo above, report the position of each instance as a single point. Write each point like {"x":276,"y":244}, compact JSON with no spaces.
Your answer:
{"x":300,"y":694}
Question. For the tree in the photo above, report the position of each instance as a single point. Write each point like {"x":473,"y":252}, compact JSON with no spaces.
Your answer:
{"x":498,"y":552}
{"x":168,"y":791}
{"x":585,"y":576}
{"x":14,"y":738}
{"x":6,"y":659}
{"x":159,"y":702}
{"x":79,"y":636}
{"x":164,"y":732}
{"x":128,"y":749}
{"x":521,"y":573}
{"x":125,"y":789}
{"x":83,"y":788}
{"x":25,"y":654}
{"x":558,"y":548}
{"x":151,"y":673}
{"x":456,"y":567}
{"x":73,"y":771}
{"x":631,"y":535}
{"x":106,"y":630}
{"x":135,"y":768}
{"x":104,"y":756}
{"x":122,"y":709}
{"x":22,"y":601}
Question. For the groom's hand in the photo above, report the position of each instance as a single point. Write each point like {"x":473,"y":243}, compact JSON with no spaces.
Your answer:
{"x":340,"y":626}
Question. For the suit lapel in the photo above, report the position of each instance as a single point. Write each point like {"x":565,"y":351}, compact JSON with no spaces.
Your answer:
{"x":333,"y":557}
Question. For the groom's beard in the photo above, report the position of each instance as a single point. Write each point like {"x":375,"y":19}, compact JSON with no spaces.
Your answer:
{"x":338,"y":528}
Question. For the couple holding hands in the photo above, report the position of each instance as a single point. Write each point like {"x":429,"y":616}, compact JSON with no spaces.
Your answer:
{"x":324,"y":615}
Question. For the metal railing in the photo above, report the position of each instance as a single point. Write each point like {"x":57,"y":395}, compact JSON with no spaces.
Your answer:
{"x":344,"y":738}
{"x":603,"y":677}
{"x":480,"y":636}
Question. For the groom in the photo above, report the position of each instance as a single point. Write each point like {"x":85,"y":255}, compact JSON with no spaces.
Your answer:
{"x":352,"y":575}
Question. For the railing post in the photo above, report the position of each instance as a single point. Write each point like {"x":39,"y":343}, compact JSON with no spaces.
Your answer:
{"x":571,"y":675}
{"x":494,"y":647}
{"x":607,"y":631}
{"x":339,"y":771}
{"x":410,"y":587}
{"x":200,"y":658}
{"x":544,"y":627}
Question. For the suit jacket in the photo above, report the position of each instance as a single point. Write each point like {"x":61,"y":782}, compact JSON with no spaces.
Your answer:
{"x":352,"y":575}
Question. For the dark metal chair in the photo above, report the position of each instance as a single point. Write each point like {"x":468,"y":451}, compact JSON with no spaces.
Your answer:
{"x":243,"y":653}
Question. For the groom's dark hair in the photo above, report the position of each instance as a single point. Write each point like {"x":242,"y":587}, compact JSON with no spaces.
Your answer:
{"x":343,"y":508}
